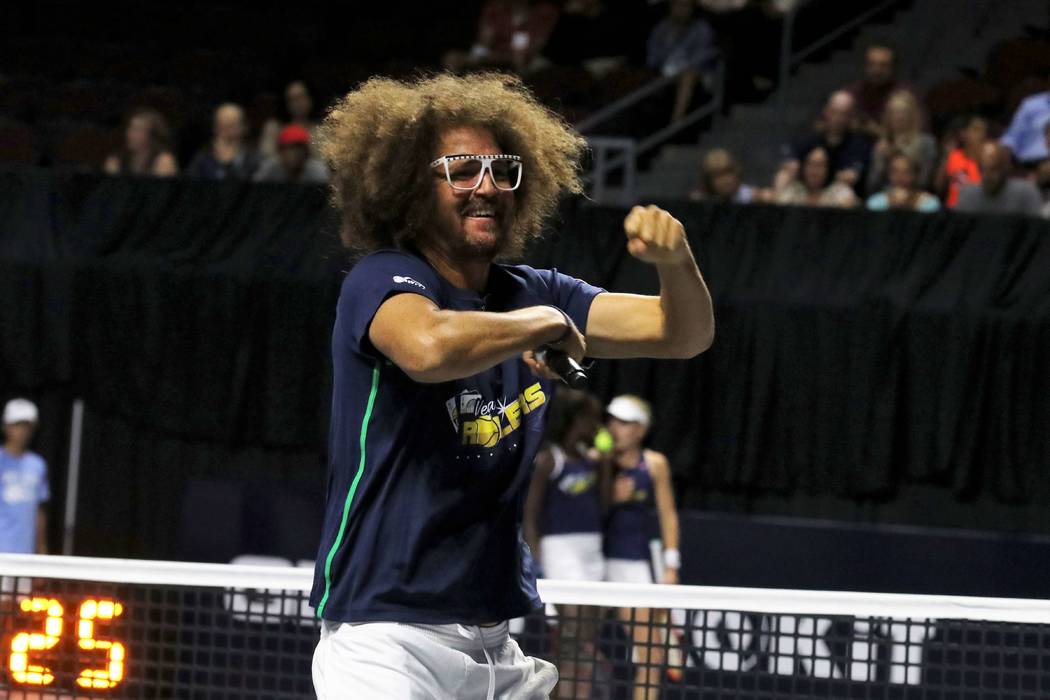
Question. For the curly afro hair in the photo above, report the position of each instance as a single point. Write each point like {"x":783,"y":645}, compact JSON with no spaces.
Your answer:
{"x":380,"y":139}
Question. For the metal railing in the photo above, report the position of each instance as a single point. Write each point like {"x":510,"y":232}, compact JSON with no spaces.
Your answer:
{"x":790,"y":60}
{"x":611,"y":154}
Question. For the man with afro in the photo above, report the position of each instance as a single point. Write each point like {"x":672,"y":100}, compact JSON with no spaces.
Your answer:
{"x":439,"y":394}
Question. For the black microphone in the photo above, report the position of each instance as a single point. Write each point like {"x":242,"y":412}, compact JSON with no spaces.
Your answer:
{"x":564,"y":366}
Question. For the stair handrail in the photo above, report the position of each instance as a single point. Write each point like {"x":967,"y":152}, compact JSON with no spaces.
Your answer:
{"x":616,"y":107}
{"x":789,"y":59}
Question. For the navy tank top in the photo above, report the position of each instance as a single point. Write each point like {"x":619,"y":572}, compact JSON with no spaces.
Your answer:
{"x":572,"y":503}
{"x":630,"y":525}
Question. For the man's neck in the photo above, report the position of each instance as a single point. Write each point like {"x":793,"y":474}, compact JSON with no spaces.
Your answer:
{"x":468,"y":273}
{"x":14,"y":450}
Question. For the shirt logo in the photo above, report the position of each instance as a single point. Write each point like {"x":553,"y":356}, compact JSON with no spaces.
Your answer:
{"x":577,"y":484}
{"x":485,"y":423}
{"x":17,"y":488}
{"x":398,"y":279}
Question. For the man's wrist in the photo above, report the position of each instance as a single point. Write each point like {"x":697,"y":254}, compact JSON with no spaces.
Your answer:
{"x":566,"y":327}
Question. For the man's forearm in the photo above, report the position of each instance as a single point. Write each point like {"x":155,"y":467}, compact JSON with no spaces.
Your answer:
{"x":463,"y":343}
{"x":689,"y":321}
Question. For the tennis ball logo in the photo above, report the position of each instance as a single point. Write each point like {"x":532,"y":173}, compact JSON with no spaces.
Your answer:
{"x":488,"y":431}
{"x":484,"y":431}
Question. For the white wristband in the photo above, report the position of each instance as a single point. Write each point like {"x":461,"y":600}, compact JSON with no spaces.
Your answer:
{"x":672,"y":559}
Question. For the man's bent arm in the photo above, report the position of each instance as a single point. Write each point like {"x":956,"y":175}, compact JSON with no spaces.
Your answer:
{"x":679,"y":323}
{"x":436,"y":345}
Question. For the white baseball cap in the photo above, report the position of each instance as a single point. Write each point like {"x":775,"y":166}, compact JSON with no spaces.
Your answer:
{"x":20,"y":411}
{"x":630,"y":409}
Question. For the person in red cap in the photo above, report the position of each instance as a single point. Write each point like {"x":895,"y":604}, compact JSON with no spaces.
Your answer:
{"x":293,"y":162}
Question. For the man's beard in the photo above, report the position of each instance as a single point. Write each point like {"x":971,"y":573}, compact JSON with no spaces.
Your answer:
{"x":455,"y":239}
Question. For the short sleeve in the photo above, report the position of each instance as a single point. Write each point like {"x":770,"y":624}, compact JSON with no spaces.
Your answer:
{"x":43,"y":490}
{"x":571,"y":295}
{"x":373,"y":280}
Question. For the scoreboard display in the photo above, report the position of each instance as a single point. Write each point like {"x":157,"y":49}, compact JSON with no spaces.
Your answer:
{"x":75,"y":639}
{"x":51,"y":631}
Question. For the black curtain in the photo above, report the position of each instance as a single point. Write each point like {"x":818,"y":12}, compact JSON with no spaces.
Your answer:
{"x":860,"y":358}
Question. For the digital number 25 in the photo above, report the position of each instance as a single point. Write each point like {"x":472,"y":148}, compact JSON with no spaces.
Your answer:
{"x":91,"y":610}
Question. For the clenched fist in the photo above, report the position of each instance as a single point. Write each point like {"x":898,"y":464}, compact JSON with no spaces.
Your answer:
{"x":654,"y":236}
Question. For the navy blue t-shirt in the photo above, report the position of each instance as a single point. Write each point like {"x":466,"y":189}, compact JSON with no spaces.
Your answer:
{"x":427,"y":482}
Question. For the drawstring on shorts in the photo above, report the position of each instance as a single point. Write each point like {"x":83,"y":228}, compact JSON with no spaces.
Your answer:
{"x":469,"y":634}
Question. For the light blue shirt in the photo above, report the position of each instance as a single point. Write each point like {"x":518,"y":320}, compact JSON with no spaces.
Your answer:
{"x":881,"y":202}
{"x":1025,"y":135}
{"x":23,"y":487}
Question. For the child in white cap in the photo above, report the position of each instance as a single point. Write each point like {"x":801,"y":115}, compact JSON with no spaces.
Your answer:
{"x":641,"y":510}
{"x":23,"y":483}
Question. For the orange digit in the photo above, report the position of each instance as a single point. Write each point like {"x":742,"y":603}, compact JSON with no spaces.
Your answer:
{"x":113,"y":673}
{"x":24,"y":642}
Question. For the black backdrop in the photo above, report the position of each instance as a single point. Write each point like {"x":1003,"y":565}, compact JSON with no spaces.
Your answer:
{"x":866,"y":367}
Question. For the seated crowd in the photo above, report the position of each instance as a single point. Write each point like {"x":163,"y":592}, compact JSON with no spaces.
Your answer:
{"x":871,"y":146}
{"x":873,"y":143}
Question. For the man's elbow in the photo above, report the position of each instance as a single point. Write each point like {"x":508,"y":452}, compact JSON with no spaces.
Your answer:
{"x":689,"y":347}
{"x":425,"y":361}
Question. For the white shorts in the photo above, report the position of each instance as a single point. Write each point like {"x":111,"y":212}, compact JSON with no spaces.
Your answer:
{"x":575,"y":556}
{"x":383,"y":660}
{"x":628,"y":571}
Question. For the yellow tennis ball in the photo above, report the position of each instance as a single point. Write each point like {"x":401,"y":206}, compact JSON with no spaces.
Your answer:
{"x":603,"y":441}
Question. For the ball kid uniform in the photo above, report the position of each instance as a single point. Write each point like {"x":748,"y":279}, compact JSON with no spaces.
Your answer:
{"x":571,"y":523}
{"x":422,"y":556}
{"x":630,"y":526}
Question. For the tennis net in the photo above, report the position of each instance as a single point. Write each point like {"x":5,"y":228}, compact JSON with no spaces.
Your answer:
{"x":75,"y":627}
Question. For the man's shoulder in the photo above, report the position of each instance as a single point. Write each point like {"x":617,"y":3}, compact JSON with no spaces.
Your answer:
{"x":1022,"y":187}
{"x":395,"y":266}
{"x":1024,"y":195}
{"x":36,"y":462}
{"x":1040,"y":100}
{"x":26,"y":462}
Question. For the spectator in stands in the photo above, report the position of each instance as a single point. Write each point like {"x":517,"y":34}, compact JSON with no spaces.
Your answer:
{"x":1041,"y":175}
{"x":1024,"y":136}
{"x":23,"y":483}
{"x":293,"y":162}
{"x":903,"y":191}
{"x":511,"y":35}
{"x":815,"y":187}
{"x":902,"y":131}
{"x":299,"y":106}
{"x":147,"y":147}
{"x":682,"y":44}
{"x":847,"y":149}
{"x":998,"y":192}
{"x":563,"y":525}
{"x":228,"y":156}
{"x":961,"y":165}
{"x":720,"y":180}
{"x":873,"y":91}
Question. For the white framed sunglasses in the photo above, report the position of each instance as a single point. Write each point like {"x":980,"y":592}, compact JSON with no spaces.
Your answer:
{"x":466,"y":172}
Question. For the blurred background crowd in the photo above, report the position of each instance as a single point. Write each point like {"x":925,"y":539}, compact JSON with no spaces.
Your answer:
{"x":243,"y":98}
